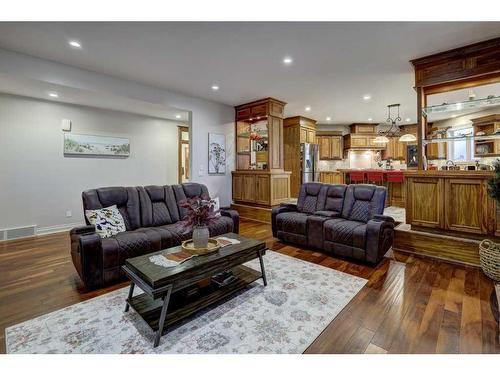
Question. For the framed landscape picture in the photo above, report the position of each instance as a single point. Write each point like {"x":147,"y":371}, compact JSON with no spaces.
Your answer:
{"x":95,"y":145}
{"x":216,"y":153}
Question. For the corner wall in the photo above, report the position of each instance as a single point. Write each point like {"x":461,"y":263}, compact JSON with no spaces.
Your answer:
{"x":39,"y":184}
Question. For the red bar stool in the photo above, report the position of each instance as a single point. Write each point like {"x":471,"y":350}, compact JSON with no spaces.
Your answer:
{"x":357,"y":177}
{"x":395,"y":177}
{"x":376,"y":178}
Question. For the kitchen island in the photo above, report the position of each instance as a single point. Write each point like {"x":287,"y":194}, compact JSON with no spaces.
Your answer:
{"x":396,"y":190}
{"x":452,"y":201}
{"x":448,"y":213}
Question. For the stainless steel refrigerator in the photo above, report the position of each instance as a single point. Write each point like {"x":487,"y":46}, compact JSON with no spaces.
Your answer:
{"x":309,"y":162}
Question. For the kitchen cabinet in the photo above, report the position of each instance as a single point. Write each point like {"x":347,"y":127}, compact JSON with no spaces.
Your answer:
{"x":264,"y":188}
{"x":362,"y":141}
{"x":330,"y":147}
{"x":395,"y":149}
{"x":260,"y":178}
{"x":437,"y":150}
{"x":455,"y":201}
{"x":331,"y":177}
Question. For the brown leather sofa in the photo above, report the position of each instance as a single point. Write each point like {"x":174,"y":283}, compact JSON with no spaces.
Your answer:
{"x":345,"y":220}
{"x":152,"y":217}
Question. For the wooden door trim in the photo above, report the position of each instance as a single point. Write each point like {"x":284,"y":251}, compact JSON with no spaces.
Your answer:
{"x":180,"y":142}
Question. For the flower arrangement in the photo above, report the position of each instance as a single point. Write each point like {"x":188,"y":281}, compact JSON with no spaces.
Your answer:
{"x":200,"y":211}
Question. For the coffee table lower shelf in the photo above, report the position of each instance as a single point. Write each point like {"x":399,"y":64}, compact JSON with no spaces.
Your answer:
{"x":181,"y":306}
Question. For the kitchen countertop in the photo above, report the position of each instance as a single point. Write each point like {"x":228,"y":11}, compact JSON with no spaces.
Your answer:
{"x":449,"y":174}
{"x":372,"y":170}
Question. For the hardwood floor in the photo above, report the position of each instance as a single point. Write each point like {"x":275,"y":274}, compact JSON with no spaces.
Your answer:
{"x":409,"y":305}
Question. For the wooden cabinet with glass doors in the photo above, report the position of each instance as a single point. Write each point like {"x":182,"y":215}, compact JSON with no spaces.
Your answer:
{"x":259,"y":177}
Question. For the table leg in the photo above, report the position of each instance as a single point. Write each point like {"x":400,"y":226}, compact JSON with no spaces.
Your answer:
{"x":262,"y":269}
{"x":163,"y":315}
{"x":130,"y":293}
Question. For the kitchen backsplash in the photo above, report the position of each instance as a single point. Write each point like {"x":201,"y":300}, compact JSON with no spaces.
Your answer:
{"x":356,"y":160}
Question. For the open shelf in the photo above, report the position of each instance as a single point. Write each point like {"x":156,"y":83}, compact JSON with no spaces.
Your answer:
{"x":460,"y":106}
{"x":476,"y":138}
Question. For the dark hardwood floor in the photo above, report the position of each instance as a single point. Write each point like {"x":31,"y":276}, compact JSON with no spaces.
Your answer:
{"x":409,"y":305}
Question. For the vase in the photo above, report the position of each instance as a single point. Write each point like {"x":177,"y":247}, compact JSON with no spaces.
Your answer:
{"x":200,"y":237}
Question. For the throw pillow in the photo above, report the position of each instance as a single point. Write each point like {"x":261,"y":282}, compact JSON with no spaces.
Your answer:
{"x":107,"y":221}
{"x":216,"y":203}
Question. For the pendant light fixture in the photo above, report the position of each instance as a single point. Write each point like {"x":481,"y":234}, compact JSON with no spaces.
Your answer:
{"x":393,"y":131}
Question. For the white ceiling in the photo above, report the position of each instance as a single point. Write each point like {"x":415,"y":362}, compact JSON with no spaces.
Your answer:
{"x":41,"y":90}
{"x":334,"y":65}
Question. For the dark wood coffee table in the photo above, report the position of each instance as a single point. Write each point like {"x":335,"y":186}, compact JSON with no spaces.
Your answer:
{"x":167,"y":294}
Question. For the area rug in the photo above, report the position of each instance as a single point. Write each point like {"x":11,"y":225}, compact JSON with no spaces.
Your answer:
{"x":300,"y":300}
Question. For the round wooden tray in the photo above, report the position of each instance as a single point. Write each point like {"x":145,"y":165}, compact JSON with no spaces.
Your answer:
{"x":213,"y":245}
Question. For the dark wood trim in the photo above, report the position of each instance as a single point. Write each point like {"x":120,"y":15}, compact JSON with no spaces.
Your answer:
{"x":180,"y":130}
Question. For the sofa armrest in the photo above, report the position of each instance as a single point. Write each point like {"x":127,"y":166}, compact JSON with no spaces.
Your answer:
{"x":379,"y":237}
{"x":283,"y":207}
{"x":87,"y":255}
{"x":84,"y":229}
{"x":389,"y":219}
{"x":234,"y":215}
{"x":329,"y":214}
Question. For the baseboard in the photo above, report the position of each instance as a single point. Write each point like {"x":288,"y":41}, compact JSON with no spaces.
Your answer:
{"x":57,"y":228}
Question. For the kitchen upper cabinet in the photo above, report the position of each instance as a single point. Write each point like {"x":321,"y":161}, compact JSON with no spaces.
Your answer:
{"x":330,"y":147}
{"x":436,"y":151}
{"x":361,"y":141}
{"x":395,"y":149}
{"x":311,"y":136}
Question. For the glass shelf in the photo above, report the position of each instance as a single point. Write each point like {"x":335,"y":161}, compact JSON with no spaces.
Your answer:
{"x":474,"y":137}
{"x":460,"y":106}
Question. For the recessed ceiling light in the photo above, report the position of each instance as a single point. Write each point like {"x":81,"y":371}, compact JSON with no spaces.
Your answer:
{"x":308,"y":108}
{"x":53,"y":94}
{"x":287,"y":60}
{"x":367,"y":97}
{"x":408,"y":119}
{"x":75,"y":44}
{"x":177,"y":116}
{"x":370,"y":119}
{"x":215,"y":87}
{"x":328,"y":118}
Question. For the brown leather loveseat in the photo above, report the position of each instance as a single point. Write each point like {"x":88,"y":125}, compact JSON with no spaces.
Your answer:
{"x":345,"y":220}
{"x":152,"y":218}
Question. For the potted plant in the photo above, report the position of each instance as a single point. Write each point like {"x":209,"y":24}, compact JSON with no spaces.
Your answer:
{"x":200,"y":214}
{"x":489,"y":251}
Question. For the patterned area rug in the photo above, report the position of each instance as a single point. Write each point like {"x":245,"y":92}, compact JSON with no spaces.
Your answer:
{"x":301,"y":299}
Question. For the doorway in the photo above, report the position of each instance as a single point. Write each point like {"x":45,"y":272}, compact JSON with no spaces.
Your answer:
{"x":183,"y":159}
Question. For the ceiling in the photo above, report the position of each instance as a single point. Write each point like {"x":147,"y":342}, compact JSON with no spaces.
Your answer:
{"x":41,"y":90}
{"x":334,"y":64}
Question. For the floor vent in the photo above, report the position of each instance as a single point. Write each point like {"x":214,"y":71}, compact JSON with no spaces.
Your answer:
{"x":13,"y":233}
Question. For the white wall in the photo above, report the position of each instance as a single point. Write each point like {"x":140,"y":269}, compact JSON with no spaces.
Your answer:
{"x":39,"y":184}
{"x":207,"y":116}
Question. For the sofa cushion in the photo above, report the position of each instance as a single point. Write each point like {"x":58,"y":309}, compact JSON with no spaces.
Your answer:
{"x":334,"y":199}
{"x":309,"y":198}
{"x":158,"y":205}
{"x":188,"y":190}
{"x":222,"y":225}
{"x":292,"y":222}
{"x":346,"y":232}
{"x":363,"y":202}
{"x":126,"y":200}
